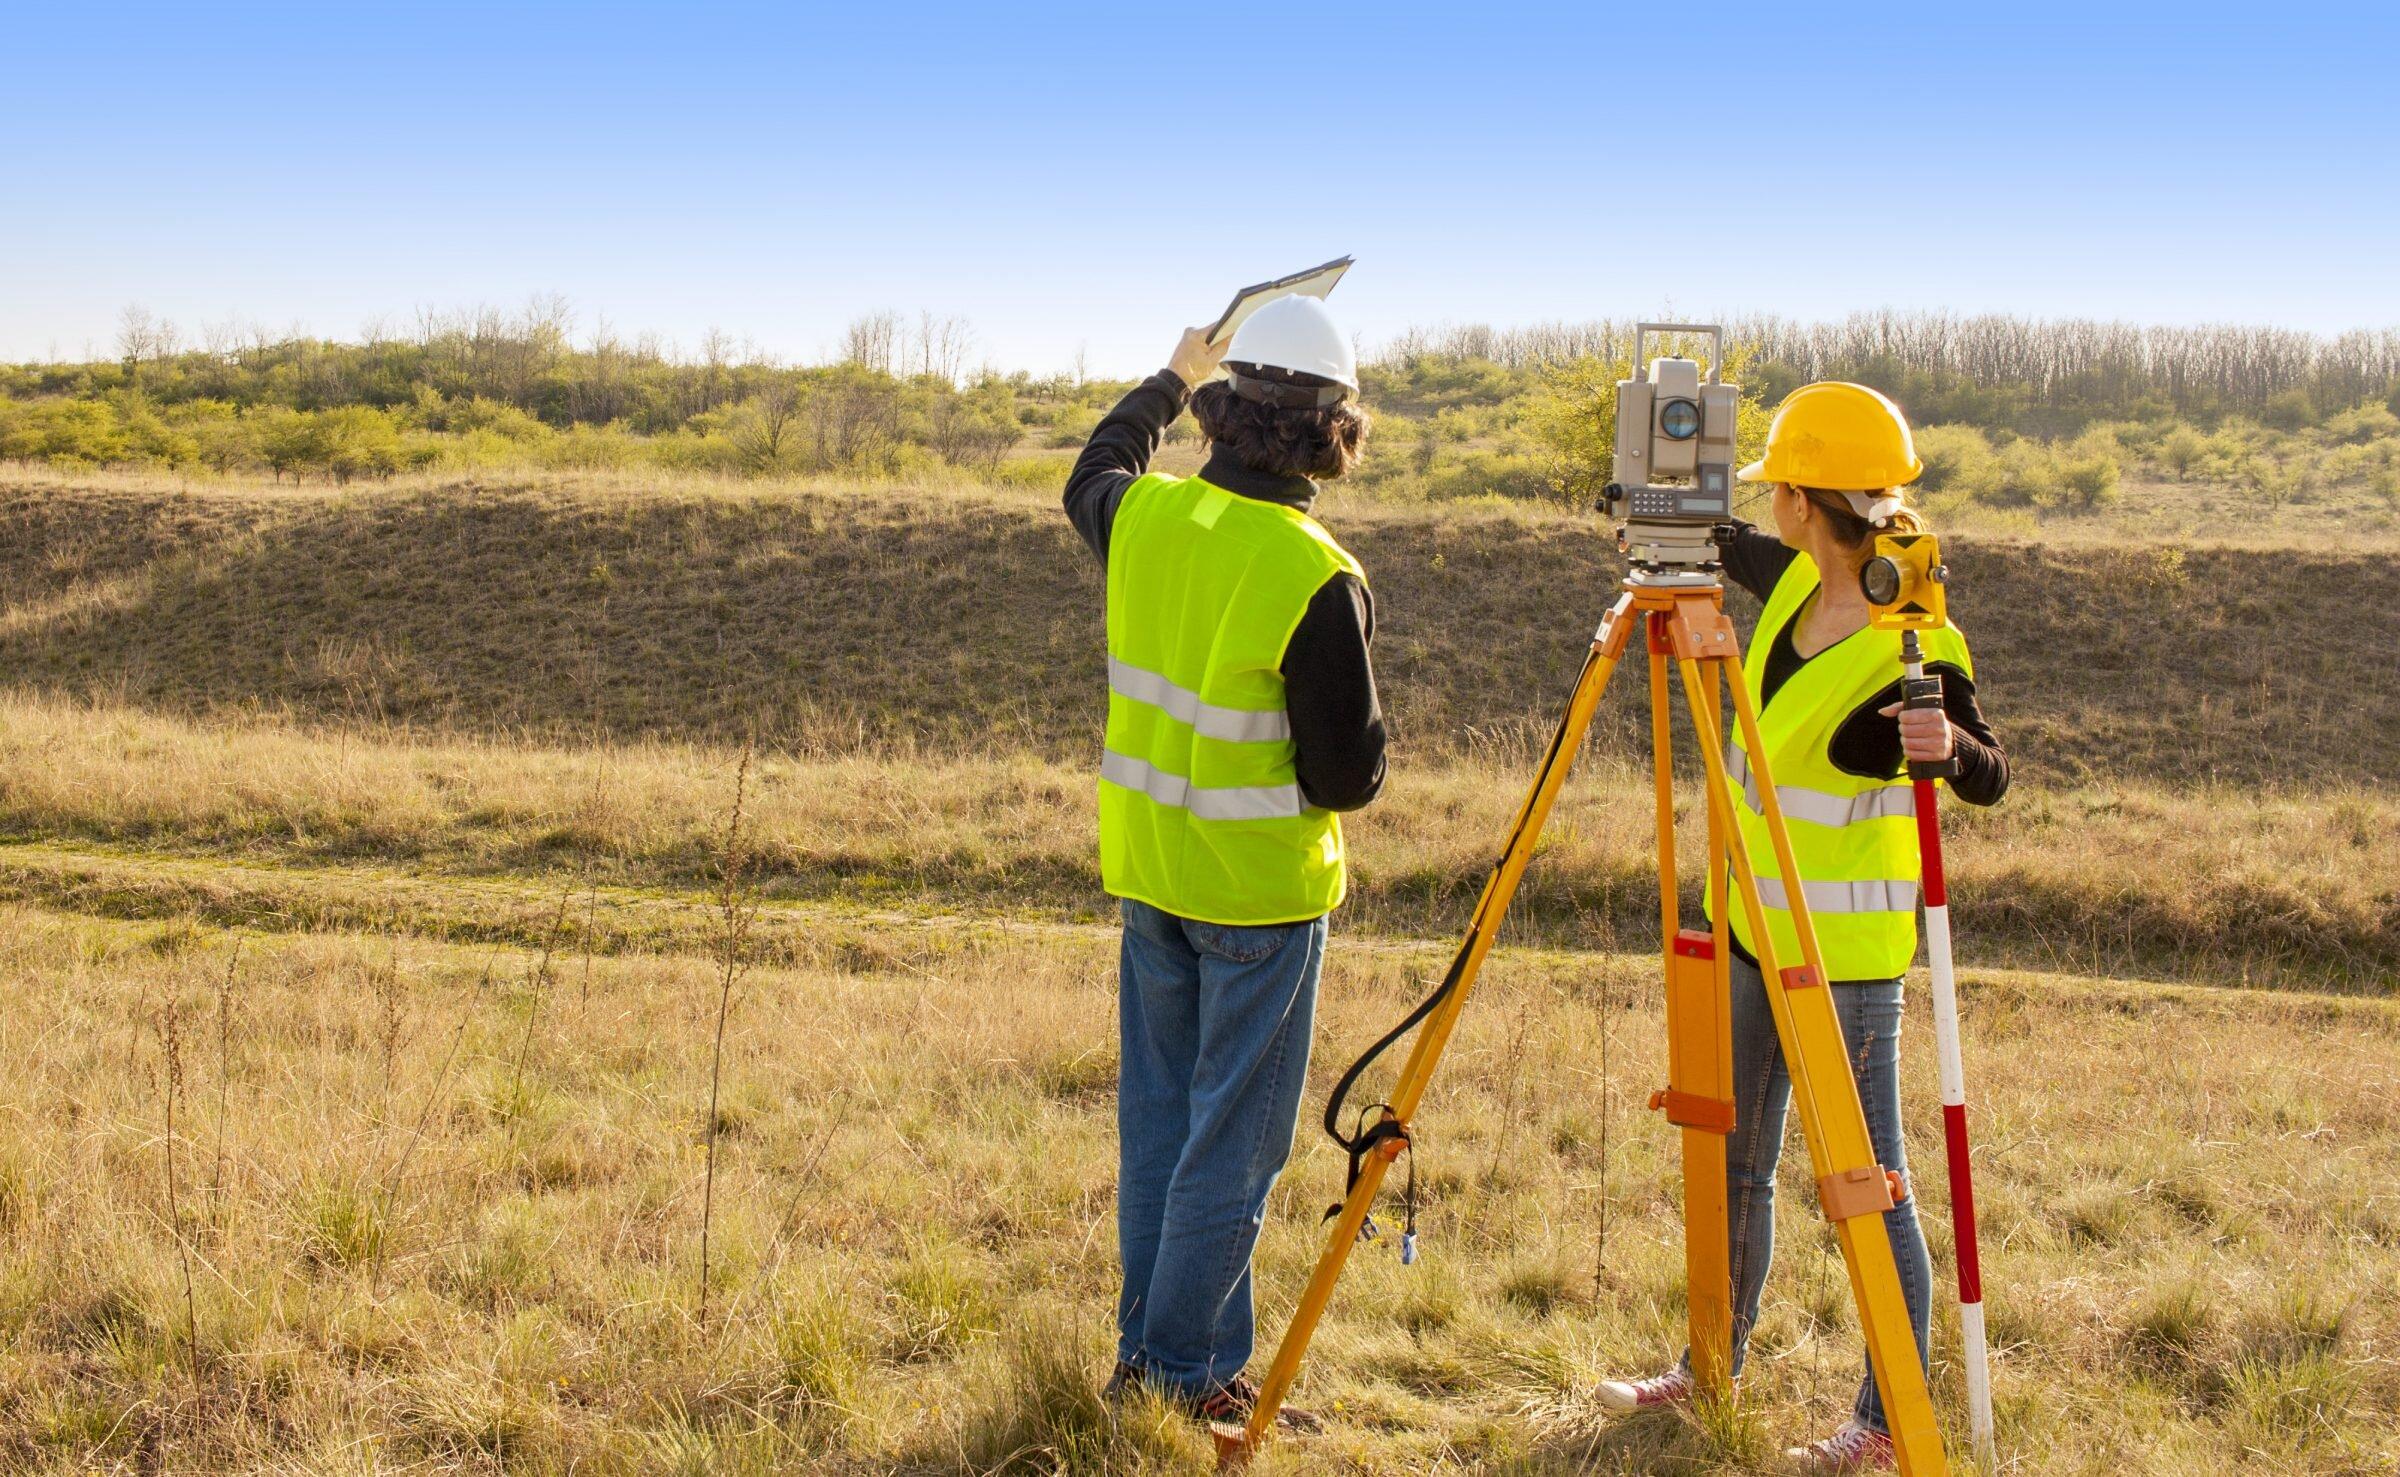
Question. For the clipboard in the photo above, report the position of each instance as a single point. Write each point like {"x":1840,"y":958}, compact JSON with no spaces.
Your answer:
{"x":1316,"y":282}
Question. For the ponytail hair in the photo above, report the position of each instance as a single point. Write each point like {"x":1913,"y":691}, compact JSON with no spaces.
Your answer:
{"x":1848,"y":514}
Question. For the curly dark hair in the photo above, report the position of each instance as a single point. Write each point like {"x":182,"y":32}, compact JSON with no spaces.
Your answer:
{"x":1320,"y":442}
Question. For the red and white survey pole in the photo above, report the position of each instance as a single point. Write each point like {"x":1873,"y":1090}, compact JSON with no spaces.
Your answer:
{"x":1921,"y":692}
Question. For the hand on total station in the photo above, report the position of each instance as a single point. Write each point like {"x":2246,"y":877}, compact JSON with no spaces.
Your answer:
{"x":1925,"y":733}
{"x":1195,"y":358}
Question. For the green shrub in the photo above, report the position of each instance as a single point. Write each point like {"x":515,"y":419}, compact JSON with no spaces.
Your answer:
{"x":71,"y":431}
{"x":358,"y":441}
{"x":1958,"y":459}
{"x":2362,"y":424}
{"x":2289,"y":410}
{"x":2026,"y":475}
{"x":2181,"y":450}
{"x":610,"y":447}
{"x":1487,"y":474}
{"x":1073,"y":427}
{"x":1035,"y":473}
{"x":2087,"y":481}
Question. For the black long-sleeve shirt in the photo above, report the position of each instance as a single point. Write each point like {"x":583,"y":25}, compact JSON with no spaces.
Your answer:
{"x":1867,"y":743}
{"x":1329,"y":682}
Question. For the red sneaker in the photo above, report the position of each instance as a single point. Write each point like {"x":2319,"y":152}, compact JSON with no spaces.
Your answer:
{"x":1672,"y":1388}
{"x":1230,"y":1404}
{"x":1853,"y":1448}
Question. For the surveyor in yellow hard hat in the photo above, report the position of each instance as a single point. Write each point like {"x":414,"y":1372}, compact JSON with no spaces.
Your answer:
{"x":1827,"y":687}
{"x":1241,"y":717}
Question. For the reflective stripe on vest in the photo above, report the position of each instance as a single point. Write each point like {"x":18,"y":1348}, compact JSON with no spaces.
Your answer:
{"x":1231,"y":803}
{"x":1816,"y":805}
{"x":1895,"y":896}
{"x":1233,"y":725}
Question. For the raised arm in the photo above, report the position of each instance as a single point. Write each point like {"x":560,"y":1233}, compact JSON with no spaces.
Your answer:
{"x":1129,"y":436}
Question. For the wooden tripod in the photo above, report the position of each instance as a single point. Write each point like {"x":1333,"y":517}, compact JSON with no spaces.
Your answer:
{"x":1688,"y":628}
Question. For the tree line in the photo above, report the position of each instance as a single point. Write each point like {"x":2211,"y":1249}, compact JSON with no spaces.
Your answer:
{"x":1464,"y":410}
{"x":2033,"y":376}
{"x":488,"y":387}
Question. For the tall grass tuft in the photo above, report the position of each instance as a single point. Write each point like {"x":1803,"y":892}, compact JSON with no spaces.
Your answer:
{"x":233,"y":964}
{"x":730,"y":947}
{"x":170,"y":1035}
{"x":818,"y":1352}
{"x":539,"y":987}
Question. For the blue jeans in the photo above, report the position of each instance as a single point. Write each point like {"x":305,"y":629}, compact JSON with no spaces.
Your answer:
{"x":1870,"y":1016}
{"x":1214,"y":1024}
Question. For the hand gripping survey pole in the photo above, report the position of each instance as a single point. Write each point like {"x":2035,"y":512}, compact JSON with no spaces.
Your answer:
{"x":1906,"y":586}
{"x":1687,"y":629}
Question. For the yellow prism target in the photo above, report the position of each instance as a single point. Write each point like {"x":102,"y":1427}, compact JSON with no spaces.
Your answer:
{"x":1904,"y":583}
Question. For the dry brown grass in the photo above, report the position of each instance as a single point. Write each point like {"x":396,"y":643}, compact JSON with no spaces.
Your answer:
{"x":411,"y":1261}
{"x":448,"y":767}
{"x":2214,"y":883}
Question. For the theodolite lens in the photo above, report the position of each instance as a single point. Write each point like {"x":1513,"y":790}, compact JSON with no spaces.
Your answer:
{"x":1679,"y":420}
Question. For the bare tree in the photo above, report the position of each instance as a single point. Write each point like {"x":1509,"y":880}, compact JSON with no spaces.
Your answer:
{"x":219,"y":340}
{"x":873,"y":342}
{"x":942,"y":345}
{"x":715,"y":347}
{"x":137,"y":336}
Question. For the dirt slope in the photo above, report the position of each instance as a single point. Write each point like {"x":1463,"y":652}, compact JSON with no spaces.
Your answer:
{"x":831,"y":617}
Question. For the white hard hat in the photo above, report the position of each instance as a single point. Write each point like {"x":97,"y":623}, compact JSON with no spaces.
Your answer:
{"x":1293,"y":333}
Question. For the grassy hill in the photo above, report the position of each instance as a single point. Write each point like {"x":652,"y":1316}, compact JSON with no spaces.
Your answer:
{"x":825,"y":618}
{"x":360,"y":857}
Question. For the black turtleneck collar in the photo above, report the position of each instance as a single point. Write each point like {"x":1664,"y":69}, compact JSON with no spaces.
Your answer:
{"x":1225,"y":470}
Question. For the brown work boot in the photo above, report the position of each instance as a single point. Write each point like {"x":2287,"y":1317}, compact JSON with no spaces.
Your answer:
{"x":1123,"y":1381}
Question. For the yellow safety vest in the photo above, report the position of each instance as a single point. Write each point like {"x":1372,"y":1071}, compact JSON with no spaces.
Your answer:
{"x":1855,"y":838}
{"x":1200,"y":806}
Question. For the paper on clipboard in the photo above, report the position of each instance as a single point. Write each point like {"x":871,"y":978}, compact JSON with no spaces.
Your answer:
{"x":1316,"y":282}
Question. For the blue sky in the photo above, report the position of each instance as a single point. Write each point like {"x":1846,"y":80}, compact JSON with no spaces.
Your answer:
{"x":1093,"y":177}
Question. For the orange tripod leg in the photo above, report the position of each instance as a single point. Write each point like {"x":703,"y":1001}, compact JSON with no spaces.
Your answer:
{"x":1851,"y":1185}
{"x":1699,"y":1094}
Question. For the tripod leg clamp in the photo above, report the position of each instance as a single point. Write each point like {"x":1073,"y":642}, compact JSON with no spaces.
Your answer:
{"x":1690,"y":1110}
{"x":1870,"y":1189}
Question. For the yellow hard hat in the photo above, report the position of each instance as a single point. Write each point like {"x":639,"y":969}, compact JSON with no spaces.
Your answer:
{"x":1840,"y":437}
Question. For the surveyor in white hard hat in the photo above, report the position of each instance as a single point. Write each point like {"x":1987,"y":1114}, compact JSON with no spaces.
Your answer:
{"x":1242,"y":718}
